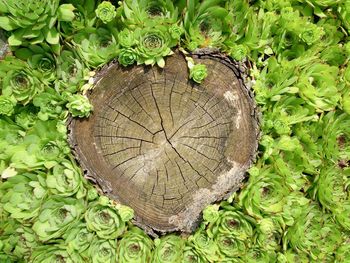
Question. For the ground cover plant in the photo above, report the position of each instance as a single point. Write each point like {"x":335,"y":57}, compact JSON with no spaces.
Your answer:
{"x":295,"y":204}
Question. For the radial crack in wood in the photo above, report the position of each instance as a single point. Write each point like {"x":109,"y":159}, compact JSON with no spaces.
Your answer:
{"x":165,"y":146}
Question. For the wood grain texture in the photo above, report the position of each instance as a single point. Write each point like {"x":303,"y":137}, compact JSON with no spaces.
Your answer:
{"x":165,"y":146}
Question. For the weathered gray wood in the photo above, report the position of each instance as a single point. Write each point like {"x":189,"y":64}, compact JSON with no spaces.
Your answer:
{"x":165,"y":146}
{"x":4,"y":47}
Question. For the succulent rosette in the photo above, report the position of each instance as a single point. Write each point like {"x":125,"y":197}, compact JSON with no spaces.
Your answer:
{"x":65,"y":179}
{"x":211,"y":213}
{"x":26,"y":117}
{"x":258,"y":255}
{"x":126,"y":38}
{"x":33,"y":21}
{"x":71,"y":72}
{"x":41,"y":59}
{"x":168,"y":249}
{"x":84,"y":17}
{"x":126,"y":213}
{"x":343,"y":252}
{"x":290,"y":256}
{"x":265,"y":193}
{"x":95,"y":46}
{"x":106,"y":12}
{"x":23,"y":196}
{"x":102,"y":251}
{"x":19,"y":80}
{"x":238,"y":52}
{"x":50,"y":104}
{"x":135,"y":247}
{"x":24,"y":241}
{"x":234,"y":223}
{"x":268,"y":234}
{"x":319,"y":89}
{"x":57,"y":215}
{"x":127,"y":57}
{"x":206,"y":24}
{"x":78,"y":238}
{"x":7,"y":105}
{"x":79,"y":105}
{"x":198,"y":72}
{"x":229,"y":246}
{"x":191,"y":255}
{"x":136,"y":13}
{"x":43,"y":145}
{"x":153,"y":45}
{"x":313,"y":233}
{"x":204,"y":244}
{"x":103,"y":218}
{"x":54,"y":253}
{"x":329,"y":187}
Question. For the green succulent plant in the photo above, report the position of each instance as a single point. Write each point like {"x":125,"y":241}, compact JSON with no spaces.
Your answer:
{"x":84,"y":17}
{"x":65,"y":179}
{"x":57,"y":215}
{"x":54,"y":253}
{"x":127,"y":57}
{"x":23,"y":196}
{"x":265,"y":194}
{"x":206,"y":24}
{"x":41,"y":59}
{"x":106,"y":11}
{"x":78,"y":238}
{"x":168,"y":249}
{"x":104,"y":219}
{"x":198,"y":72}
{"x":50,"y":104}
{"x":191,"y":255}
{"x":7,"y":105}
{"x":95,"y":46}
{"x":102,"y":251}
{"x":153,"y":45}
{"x":71,"y":72}
{"x":43,"y":145}
{"x":204,"y":245}
{"x":135,"y":246}
{"x":33,"y":21}
{"x":79,"y":106}
{"x":313,"y":233}
{"x":19,"y":80}
{"x":136,"y":13}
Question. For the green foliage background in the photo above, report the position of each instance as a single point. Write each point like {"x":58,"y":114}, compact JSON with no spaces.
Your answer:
{"x":295,"y":206}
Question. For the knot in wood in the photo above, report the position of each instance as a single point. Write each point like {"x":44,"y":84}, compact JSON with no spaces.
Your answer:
{"x":164,"y":145}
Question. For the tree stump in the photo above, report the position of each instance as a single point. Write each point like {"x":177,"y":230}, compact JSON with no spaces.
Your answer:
{"x":164,"y":145}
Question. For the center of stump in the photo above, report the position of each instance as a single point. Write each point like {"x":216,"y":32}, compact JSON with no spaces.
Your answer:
{"x":164,"y":145}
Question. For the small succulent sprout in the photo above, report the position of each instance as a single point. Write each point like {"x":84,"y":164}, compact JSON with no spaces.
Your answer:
{"x":79,"y":106}
{"x":238,"y":52}
{"x":198,"y":72}
{"x":211,"y":213}
{"x":106,"y":11}
{"x":7,"y":105}
{"x":127,"y":57}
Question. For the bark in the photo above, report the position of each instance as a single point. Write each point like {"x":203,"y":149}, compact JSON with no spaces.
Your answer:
{"x":164,"y":145}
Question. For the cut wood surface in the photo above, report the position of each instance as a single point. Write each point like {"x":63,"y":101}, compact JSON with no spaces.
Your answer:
{"x":164,"y":145}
